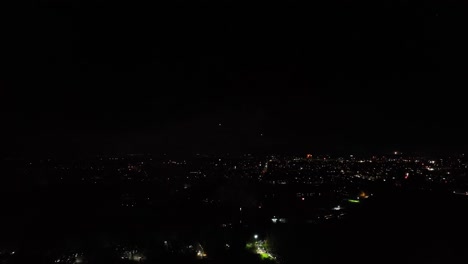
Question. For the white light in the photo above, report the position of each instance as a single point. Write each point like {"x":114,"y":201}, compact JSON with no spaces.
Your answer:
{"x":255,"y":236}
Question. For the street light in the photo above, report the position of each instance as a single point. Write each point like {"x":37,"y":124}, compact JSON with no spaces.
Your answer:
{"x":256,"y":236}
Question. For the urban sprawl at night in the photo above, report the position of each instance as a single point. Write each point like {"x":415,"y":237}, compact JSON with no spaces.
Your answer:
{"x":141,"y":208}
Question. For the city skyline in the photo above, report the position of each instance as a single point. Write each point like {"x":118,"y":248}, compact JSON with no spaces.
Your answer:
{"x":221,"y":131}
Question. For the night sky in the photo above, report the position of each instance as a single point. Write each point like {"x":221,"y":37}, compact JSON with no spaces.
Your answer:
{"x":216,"y":77}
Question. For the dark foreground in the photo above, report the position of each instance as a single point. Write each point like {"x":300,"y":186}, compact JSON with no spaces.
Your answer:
{"x":406,"y":226}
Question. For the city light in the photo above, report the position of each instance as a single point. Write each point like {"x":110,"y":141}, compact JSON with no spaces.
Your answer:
{"x":201,"y":254}
{"x":363,"y":195}
{"x":335,"y":190}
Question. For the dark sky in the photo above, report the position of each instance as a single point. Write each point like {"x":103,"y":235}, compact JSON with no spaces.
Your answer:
{"x":82,"y":77}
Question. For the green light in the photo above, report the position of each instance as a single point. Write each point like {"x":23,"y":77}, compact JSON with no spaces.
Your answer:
{"x":353,"y":201}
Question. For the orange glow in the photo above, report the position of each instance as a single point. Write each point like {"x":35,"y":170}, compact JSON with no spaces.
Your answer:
{"x":363,"y":195}
{"x":309,"y":156}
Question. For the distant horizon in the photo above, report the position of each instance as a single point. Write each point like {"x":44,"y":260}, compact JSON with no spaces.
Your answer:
{"x":161,"y":155}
